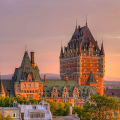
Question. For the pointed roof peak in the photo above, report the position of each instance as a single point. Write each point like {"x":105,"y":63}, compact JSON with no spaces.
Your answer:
{"x":1,"y":86}
{"x":76,"y":23}
{"x":86,"y":21}
{"x":91,"y":78}
{"x":25,"y":56}
{"x":102,"y":48}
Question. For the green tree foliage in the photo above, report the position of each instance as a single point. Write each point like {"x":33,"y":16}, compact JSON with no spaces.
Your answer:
{"x":2,"y":117}
{"x":59,"y":109}
{"x":99,"y":108}
{"x":102,"y":107}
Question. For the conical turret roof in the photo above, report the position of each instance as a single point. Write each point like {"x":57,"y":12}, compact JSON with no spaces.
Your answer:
{"x":61,"y":53}
{"x":102,"y":49}
{"x":1,"y":87}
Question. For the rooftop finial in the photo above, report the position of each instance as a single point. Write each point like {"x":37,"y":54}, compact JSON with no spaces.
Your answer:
{"x":76,"y":23}
{"x":86,"y":20}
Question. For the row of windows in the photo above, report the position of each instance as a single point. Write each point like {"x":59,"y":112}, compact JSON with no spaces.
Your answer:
{"x":90,"y":65}
{"x":91,"y":61}
{"x":31,"y":95}
{"x":30,"y":85}
{"x":65,"y":90}
{"x":67,"y":62}
{"x":91,"y":70}
{"x":69,"y":66}
{"x":85,"y":76}
{"x":37,"y":115}
{"x":75,"y":96}
{"x":29,"y":91}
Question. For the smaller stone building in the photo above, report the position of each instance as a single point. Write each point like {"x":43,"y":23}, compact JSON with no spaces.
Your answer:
{"x":36,"y":112}
{"x":14,"y":112}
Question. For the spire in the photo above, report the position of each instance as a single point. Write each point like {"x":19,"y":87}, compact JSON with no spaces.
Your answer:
{"x":61,"y":53}
{"x":86,"y":21}
{"x":76,"y":23}
{"x":102,"y":48}
{"x":23,"y":60}
{"x":2,"y":92}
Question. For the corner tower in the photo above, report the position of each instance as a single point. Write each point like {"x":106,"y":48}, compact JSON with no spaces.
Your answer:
{"x":2,"y":92}
{"x":81,"y":56}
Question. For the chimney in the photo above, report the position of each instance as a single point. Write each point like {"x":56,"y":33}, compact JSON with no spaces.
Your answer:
{"x":44,"y":78}
{"x":66,"y":78}
{"x":32,"y":60}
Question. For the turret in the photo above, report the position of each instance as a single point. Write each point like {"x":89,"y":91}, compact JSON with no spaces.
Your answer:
{"x":102,"y":49}
{"x":2,"y":92}
{"x":61,"y":53}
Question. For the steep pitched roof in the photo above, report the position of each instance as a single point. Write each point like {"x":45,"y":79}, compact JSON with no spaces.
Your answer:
{"x":59,"y":84}
{"x":1,"y":87}
{"x":8,"y":87}
{"x":84,"y":36}
{"x":25,"y":69}
{"x":91,"y":78}
{"x":61,"y":53}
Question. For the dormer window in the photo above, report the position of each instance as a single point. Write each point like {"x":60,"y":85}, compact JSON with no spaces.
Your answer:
{"x":75,"y":90}
{"x":65,"y":90}
{"x":54,"y":90}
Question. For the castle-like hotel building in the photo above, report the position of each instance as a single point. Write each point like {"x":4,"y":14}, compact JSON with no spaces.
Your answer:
{"x":82,"y":68}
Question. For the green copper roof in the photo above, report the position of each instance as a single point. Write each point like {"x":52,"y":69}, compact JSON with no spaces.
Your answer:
{"x":59,"y":84}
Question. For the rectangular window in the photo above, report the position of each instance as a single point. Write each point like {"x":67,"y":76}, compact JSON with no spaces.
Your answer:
{"x":33,"y":85}
{"x":13,"y":115}
{"x":29,"y":85}
{"x":24,"y":85}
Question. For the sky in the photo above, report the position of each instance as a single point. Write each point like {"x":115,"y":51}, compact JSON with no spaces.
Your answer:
{"x":43,"y":24}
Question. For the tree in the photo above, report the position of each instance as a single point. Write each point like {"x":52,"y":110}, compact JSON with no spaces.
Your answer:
{"x":103,"y":106}
{"x":2,"y":117}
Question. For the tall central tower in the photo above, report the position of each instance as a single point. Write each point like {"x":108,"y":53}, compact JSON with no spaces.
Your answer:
{"x":82,"y":60}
